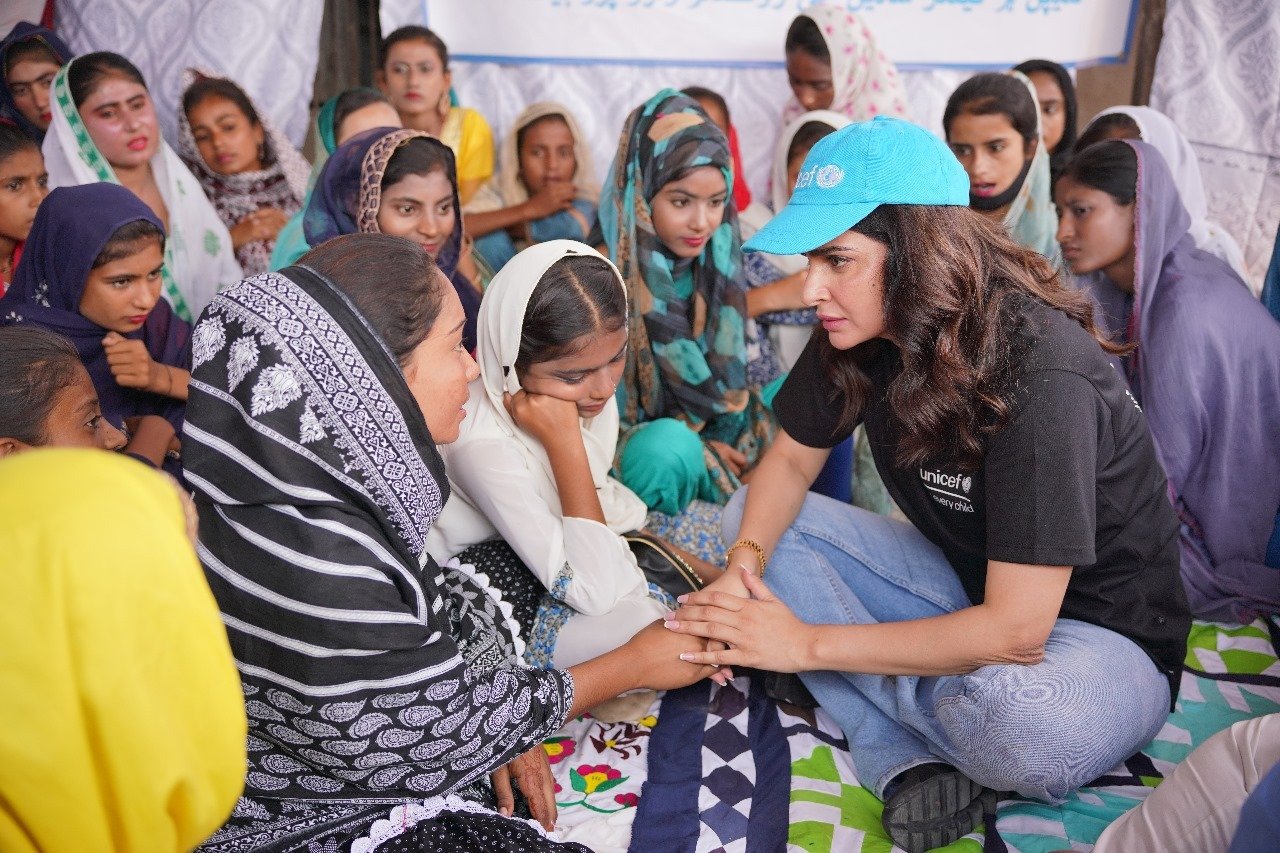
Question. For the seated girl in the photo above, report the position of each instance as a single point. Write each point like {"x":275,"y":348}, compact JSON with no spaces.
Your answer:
{"x":105,"y":129}
{"x":253,"y":175}
{"x":833,"y":63}
{"x":342,"y":117}
{"x":413,"y":72}
{"x":763,"y":364}
{"x":375,"y":678}
{"x":1056,"y":95}
{"x":23,"y":185}
{"x":992,"y":123}
{"x":691,"y":425}
{"x":531,"y":465}
{"x":91,"y":273}
{"x":48,"y":400}
{"x":545,"y":188}
{"x":776,"y":298}
{"x":30,"y":56}
{"x":123,"y":725}
{"x":1206,"y":368}
{"x":1026,"y":631}
{"x":399,"y":182}
{"x":1158,"y":130}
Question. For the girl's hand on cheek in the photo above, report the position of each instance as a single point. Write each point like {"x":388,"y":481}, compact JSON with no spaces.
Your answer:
{"x":548,"y":419}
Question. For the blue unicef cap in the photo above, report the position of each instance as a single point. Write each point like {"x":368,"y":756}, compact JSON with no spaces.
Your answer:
{"x":853,"y":171}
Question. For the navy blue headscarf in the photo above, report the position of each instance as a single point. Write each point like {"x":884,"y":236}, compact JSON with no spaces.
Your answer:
{"x":71,"y":228}
{"x":23,"y":32}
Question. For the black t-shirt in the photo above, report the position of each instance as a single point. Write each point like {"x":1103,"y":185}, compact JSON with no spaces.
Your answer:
{"x":1072,"y":479}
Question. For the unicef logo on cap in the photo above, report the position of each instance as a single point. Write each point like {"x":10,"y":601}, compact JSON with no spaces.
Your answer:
{"x":825,"y":177}
{"x":829,"y":176}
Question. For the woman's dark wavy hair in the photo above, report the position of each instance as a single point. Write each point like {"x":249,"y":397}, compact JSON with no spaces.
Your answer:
{"x":954,"y":290}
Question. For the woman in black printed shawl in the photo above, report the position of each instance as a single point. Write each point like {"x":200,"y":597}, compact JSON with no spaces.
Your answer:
{"x":382,"y":690}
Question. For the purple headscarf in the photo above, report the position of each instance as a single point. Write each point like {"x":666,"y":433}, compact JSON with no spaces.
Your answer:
{"x":21,"y":32}
{"x":1207,"y":374}
{"x":72,"y":226}
{"x":348,"y":193}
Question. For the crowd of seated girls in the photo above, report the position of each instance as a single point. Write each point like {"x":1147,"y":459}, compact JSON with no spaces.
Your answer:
{"x":221,"y":312}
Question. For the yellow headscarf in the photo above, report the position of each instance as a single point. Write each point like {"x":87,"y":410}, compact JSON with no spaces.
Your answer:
{"x":122,"y":726}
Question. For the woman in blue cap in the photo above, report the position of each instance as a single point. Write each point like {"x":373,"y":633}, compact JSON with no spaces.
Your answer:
{"x":1026,"y":632}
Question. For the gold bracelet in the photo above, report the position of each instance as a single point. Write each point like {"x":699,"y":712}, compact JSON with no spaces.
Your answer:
{"x":754,"y":546}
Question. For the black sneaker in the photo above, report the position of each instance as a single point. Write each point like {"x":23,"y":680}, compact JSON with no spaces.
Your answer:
{"x":933,"y":805}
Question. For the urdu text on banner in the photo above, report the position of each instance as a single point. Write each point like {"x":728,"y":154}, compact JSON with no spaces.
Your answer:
{"x":914,"y":33}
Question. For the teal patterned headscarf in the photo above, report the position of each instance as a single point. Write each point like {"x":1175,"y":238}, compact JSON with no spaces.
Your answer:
{"x":687,"y":356}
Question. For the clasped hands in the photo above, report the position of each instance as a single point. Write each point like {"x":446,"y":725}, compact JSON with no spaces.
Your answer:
{"x":745,"y":624}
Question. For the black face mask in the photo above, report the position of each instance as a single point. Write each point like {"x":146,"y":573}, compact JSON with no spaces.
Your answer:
{"x":995,"y":202}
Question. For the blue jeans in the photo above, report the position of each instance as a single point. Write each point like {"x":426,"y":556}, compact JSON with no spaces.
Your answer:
{"x":1041,"y":730}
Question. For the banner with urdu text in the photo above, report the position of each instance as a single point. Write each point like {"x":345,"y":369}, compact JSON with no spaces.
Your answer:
{"x":914,"y":33}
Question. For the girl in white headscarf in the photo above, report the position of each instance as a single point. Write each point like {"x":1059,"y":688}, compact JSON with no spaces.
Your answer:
{"x":775,"y":300}
{"x":531,"y":466}
{"x":545,"y":188}
{"x":1158,"y":130}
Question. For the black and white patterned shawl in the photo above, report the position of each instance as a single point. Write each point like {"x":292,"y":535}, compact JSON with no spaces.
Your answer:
{"x":366,"y":676}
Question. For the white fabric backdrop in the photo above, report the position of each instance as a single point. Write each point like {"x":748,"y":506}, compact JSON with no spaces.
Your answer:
{"x":913,"y":33}
{"x":13,"y":11}
{"x":1218,"y":77}
{"x":270,"y":47}
{"x":601,"y":96}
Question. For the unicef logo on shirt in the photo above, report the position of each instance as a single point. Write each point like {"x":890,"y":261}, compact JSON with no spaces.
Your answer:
{"x":966,"y":484}
{"x":829,"y":176}
{"x":825,"y":177}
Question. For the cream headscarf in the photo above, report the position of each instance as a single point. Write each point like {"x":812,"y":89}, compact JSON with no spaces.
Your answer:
{"x":1159,"y":131}
{"x":1031,"y":219}
{"x":866,"y":83}
{"x":123,"y":725}
{"x":498,"y":335}
{"x":507,"y":189}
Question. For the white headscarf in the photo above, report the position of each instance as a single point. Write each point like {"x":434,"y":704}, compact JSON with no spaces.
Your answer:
{"x":198,"y":258}
{"x":498,"y":333}
{"x":1159,"y":131}
{"x":1031,"y":219}
{"x":780,"y":187}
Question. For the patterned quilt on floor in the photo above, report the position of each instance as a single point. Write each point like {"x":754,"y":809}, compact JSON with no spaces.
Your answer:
{"x":725,"y":769}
